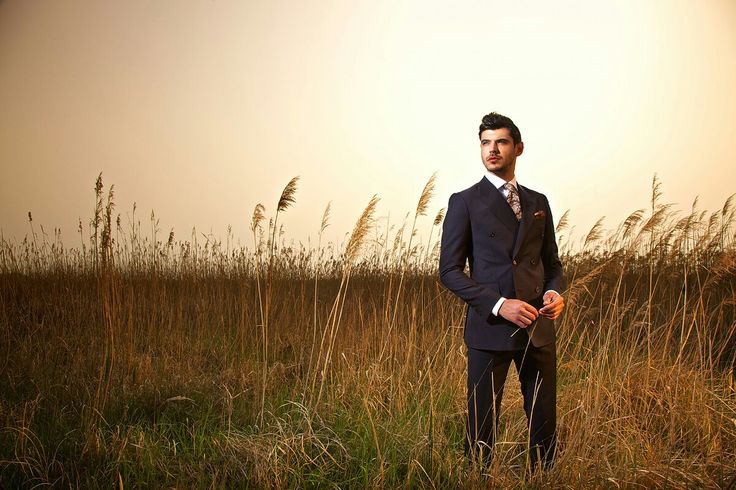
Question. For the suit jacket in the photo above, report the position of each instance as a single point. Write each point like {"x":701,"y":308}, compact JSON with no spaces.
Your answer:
{"x":509,"y":258}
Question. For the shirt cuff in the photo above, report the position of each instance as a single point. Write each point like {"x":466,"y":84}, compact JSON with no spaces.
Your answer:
{"x":497,"y":308}
{"x":551,"y":291}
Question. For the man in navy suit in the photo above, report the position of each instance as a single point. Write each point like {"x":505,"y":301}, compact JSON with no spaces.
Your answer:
{"x":505,"y":233}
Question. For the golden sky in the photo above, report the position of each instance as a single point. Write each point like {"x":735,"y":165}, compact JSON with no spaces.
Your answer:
{"x":200,"y":109}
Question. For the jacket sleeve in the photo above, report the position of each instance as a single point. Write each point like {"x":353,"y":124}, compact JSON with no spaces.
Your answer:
{"x":456,"y":248}
{"x":552,"y":265}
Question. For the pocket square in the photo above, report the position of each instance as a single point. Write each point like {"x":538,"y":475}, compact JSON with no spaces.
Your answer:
{"x":539,"y":214}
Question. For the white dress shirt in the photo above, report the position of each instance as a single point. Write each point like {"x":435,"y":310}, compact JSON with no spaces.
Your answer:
{"x":499,"y":183}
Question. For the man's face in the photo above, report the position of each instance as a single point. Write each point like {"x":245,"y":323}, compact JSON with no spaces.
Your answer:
{"x":498,"y":152}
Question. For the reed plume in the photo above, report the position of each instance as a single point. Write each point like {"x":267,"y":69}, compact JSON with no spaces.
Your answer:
{"x":287,"y":195}
{"x":563,"y":223}
{"x":595,"y":233}
{"x":360,"y":232}
{"x":258,"y":217}
{"x":285,"y":201}
{"x":325,"y":219}
{"x":426,"y":196}
{"x":439,"y":217}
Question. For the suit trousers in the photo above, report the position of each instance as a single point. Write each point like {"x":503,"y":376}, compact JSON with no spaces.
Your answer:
{"x":487,"y":372}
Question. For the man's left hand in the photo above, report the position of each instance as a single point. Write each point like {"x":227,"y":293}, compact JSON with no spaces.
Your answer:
{"x":553,"y":305}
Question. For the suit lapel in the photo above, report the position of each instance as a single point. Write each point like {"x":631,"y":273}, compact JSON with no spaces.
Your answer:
{"x":495,"y":202}
{"x":528,"y":205}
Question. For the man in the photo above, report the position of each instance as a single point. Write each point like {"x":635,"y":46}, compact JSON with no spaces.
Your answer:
{"x":505,"y":232}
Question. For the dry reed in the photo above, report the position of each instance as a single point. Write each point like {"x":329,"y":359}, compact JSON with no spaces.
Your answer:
{"x":133,"y":362}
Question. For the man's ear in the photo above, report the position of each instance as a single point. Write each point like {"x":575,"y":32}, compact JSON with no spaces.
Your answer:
{"x":519,"y":148}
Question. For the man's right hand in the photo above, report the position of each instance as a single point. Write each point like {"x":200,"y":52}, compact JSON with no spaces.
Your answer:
{"x":518,"y":312}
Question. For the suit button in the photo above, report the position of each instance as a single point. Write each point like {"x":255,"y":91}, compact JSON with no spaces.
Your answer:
{"x":514,"y":262}
{"x":492,"y":235}
{"x":533,"y":261}
{"x":537,"y":289}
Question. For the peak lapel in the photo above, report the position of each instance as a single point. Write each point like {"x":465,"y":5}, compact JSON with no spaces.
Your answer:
{"x":496,"y":203}
{"x":528,"y":205}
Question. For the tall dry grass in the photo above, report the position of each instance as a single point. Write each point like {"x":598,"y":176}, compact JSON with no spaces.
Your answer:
{"x":134,"y":361}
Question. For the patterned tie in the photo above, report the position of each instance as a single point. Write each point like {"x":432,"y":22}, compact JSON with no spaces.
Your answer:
{"x":513,"y":199}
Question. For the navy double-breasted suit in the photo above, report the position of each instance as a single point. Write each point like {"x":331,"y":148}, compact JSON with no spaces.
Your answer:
{"x":515,"y":260}
{"x":507,"y":258}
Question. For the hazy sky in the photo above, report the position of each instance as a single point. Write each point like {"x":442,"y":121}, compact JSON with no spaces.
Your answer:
{"x":201,"y":109}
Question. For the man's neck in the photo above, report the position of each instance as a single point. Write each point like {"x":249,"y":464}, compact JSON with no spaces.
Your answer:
{"x":499,"y":181}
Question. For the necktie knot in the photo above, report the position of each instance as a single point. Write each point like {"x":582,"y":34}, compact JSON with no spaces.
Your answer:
{"x":513,"y":199}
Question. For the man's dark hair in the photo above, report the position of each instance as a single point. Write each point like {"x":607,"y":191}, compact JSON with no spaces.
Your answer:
{"x":495,"y":120}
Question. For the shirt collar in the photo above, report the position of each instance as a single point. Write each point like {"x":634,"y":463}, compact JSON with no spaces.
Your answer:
{"x":498,"y":182}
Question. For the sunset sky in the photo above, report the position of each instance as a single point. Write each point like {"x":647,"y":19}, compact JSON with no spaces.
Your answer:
{"x":200,"y":109}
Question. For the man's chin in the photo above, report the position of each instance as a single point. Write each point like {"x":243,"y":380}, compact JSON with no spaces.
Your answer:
{"x":499,"y":172}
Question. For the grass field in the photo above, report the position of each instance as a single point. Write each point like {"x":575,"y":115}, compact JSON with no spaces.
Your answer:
{"x":136,"y":361}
